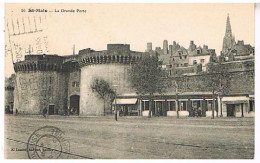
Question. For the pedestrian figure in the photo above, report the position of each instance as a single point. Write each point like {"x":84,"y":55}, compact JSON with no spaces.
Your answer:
{"x":16,"y":111}
{"x":71,"y":110}
{"x":68,"y":112}
{"x":199,"y":111}
{"x":44,"y":112}
{"x":159,"y":111}
{"x":193,"y":112}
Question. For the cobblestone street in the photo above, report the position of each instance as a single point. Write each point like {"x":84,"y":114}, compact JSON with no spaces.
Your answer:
{"x":139,"y":137}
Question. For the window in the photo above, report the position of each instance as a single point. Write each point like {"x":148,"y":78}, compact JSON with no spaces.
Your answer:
{"x":183,"y":105}
{"x":194,"y":62}
{"x":180,"y":57}
{"x":198,"y":51}
{"x":172,"y":106}
{"x":202,"y":60}
{"x":185,"y":64}
{"x":145,"y":105}
{"x":75,"y":84}
{"x":209,"y":105}
{"x":238,"y":107}
{"x":180,"y":52}
{"x":185,"y":56}
{"x":251,"y":105}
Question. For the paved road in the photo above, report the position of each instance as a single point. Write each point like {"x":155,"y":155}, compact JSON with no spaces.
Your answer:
{"x":139,"y":137}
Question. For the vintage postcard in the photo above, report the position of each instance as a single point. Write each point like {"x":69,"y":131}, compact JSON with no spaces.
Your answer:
{"x":129,"y":81}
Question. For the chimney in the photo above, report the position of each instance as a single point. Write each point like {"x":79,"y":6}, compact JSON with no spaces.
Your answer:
{"x":192,"y":46}
{"x":240,"y":42}
{"x":149,"y":47}
{"x":165,"y":47}
{"x":170,"y":49}
{"x":205,"y":47}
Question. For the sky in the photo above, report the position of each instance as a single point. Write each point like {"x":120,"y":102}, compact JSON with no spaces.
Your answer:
{"x":134,"y":24}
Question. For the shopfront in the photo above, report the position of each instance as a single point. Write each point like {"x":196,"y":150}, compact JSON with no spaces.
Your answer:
{"x":126,"y":106}
{"x":238,"y":106}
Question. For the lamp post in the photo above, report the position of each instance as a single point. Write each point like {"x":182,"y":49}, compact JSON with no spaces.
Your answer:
{"x":115,"y":86}
{"x":115,"y":110}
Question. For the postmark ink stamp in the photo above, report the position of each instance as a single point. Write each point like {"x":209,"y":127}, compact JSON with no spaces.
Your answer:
{"x":48,"y":142}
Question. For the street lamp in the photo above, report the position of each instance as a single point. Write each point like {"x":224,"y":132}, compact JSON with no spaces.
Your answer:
{"x":115,"y":86}
{"x":115,"y":109}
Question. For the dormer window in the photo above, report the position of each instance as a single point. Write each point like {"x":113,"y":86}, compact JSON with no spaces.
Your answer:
{"x":180,"y":52}
{"x":198,"y":51}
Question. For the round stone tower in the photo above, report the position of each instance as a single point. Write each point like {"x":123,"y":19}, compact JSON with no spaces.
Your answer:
{"x":41,"y":82}
{"x":112,"y":65}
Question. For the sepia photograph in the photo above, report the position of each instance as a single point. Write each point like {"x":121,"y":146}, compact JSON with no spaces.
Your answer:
{"x":129,"y":81}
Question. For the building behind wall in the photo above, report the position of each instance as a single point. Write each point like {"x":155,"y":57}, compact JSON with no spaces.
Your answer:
{"x":189,"y":60}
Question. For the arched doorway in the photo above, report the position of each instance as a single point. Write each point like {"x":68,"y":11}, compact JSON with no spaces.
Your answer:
{"x":74,"y":104}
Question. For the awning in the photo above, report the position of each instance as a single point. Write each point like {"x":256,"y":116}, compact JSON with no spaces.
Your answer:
{"x":234,"y":98}
{"x":129,"y":101}
{"x":235,"y":102}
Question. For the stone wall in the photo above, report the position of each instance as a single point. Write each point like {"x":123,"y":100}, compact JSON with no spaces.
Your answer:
{"x":242,"y":82}
{"x":36,"y":90}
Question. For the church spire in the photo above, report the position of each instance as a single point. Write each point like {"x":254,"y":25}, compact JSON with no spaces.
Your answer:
{"x":228,"y":27}
{"x":229,"y":40}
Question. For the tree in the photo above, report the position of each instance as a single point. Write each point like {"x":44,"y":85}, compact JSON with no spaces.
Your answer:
{"x":217,"y":80}
{"x":178,"y":82}
{"x":147,"y":78}
{"x":103,"y":89}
